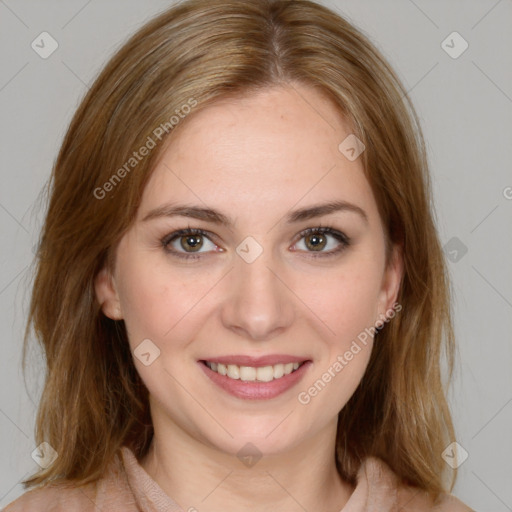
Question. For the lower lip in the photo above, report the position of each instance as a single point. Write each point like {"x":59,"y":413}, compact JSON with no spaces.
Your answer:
{"x":254,"y":390}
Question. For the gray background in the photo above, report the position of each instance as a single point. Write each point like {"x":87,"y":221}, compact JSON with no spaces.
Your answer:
{"x":465,"y":105}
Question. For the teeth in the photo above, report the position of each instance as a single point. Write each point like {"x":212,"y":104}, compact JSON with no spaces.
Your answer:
{"x":278,"y":371}
{"x":250,"y":373}
{"x":247,"y":373}
{"x":265,"y":373}
{"x":233,"y":371}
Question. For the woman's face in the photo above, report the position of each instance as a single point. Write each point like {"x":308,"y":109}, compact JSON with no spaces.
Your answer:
{"x":253,"y":292}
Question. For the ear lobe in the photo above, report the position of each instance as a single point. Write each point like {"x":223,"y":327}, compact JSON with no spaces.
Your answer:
{"x":107,"y":295}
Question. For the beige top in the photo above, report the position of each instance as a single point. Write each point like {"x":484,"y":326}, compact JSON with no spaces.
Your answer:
{"x":127,"y":487}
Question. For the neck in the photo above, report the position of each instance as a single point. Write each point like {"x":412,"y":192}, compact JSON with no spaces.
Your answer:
{"x":200,"y":477}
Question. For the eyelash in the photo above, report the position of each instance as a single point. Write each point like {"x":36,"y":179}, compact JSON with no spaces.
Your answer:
{"x":338,"y":235}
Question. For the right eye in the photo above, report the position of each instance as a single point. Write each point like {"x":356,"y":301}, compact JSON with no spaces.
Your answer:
{"x":186,"y":243}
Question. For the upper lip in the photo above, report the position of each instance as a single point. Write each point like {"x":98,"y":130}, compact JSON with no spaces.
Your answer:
{"x":268,"y":360}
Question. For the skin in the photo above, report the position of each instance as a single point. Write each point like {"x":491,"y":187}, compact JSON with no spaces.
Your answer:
{"x":254,"y":159}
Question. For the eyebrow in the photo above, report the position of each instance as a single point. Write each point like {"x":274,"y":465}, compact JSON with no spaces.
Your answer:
{"x":217,"y":217}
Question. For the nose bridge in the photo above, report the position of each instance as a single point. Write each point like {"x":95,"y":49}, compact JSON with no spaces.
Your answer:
{"x":257,"y":301}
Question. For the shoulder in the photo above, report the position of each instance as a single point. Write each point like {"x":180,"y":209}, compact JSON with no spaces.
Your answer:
{"x":55,"y":498}
{"x":385,"y":484}
{"x":412,"y":499}
{"x":110,"y":493}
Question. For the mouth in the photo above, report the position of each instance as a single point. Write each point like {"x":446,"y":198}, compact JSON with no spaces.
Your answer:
{"x":253,"y":373}
{"x":255,"y":378}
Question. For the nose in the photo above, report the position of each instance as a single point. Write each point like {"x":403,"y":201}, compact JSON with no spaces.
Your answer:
{"x":259,"y":304}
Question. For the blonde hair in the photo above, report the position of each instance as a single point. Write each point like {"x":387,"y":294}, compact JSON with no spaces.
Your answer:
{"x":93,"y":400}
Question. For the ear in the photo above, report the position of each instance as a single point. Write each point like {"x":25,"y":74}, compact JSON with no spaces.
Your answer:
{"x":106,"y":294}
{"x":390,"y":283}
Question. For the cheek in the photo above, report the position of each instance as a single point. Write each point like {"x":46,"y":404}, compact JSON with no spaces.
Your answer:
{"x":346,"y":301}
{"x":151,"y":307}
{"x":162,"y":305}
{"x":347,"y":305}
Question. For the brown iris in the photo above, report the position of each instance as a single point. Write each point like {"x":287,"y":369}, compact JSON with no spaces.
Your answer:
{"x":194,"y":242}
{"x":316,"y":242}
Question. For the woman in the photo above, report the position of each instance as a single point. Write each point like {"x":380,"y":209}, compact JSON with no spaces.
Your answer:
{"x":240,"y":289}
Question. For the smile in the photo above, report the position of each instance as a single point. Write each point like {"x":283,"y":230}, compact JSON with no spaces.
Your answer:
{"x":267,"y":378}
{"x":252,"y":373}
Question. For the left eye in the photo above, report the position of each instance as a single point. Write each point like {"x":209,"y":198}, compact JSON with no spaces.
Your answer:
{"x":317,"y":239}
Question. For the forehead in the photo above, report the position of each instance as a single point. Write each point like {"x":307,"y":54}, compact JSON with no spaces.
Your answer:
{"x":259,"y":154}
